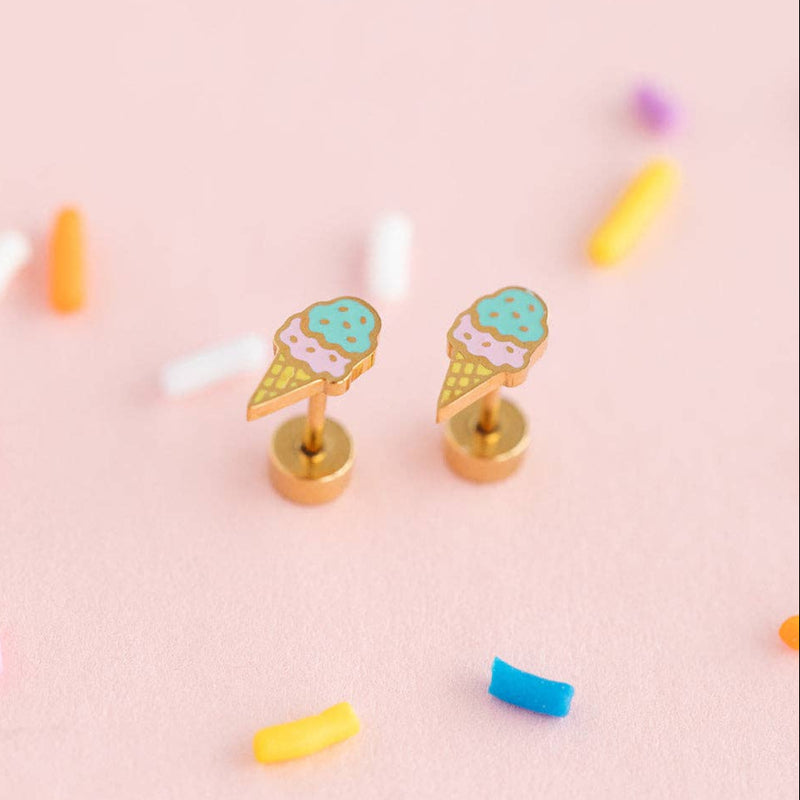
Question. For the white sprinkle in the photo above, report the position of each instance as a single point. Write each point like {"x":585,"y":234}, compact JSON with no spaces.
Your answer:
{"x":390,"y":256}
{"x":15,"y":253}
{"x":248,"y":354}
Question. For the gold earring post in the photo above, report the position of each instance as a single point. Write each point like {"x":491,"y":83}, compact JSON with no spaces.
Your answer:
{"x":490,"y":410}
{"x":315,"y":424}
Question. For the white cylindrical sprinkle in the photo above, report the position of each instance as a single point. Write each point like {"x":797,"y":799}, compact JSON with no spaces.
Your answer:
{"x":185,"y":375}
{"x":389,"y":257}
{"x":15,"y":253}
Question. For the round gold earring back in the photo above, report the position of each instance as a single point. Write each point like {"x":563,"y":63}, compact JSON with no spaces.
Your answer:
{"x":485,"y":457}
{"x":310,"y":478}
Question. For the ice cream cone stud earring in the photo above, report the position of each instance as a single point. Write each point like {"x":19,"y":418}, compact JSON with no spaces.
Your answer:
{"x":491,"y":344}
{"x":318,"y":352}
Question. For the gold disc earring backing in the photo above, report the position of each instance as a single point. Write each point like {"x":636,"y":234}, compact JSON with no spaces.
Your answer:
{"x":479,"y":456}
{"x":310,"y":478}
{"x":492,"y":344}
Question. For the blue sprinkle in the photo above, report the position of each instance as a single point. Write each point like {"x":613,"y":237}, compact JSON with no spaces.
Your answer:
{"x":530,"y":691}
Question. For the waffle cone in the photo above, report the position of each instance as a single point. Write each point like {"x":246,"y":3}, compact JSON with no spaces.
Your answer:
{"x":467,"y":380}
{"x":285,"y":382}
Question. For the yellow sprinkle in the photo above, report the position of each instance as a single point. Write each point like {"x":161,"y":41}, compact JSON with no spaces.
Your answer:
{"x":633,"y":213}
{"x":306,"y":736}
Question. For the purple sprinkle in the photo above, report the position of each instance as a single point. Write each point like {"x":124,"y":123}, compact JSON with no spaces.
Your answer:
{"x":655,"y":109}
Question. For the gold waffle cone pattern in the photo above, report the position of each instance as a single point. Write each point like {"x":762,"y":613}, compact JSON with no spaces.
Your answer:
{"x":463,"y":376}
{"x":284,"y":375}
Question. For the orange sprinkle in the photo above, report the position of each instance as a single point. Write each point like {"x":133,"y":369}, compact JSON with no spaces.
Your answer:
{"x":67,"y":280}
{"x":789,"y":632}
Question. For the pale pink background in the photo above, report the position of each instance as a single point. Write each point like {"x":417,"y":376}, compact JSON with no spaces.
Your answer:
{"x":159,"y":603}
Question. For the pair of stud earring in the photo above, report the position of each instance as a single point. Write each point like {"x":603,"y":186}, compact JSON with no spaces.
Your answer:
{"x":323,"y":349}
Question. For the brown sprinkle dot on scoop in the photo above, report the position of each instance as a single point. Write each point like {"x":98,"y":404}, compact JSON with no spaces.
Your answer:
{"x":293,"y":339}
{"x":332,"y":357}
{"x":509,"y":349}
{"x":523,"y":328}
{"x":467,"y":336}
{"x":515,"y":314}
{"x":509,"y":299}
{"x":486,"y":344}
{"x":346,"y":325}
{"x":494,"y":314}
{"x":531,"y":307}
{"x":351,"y":338}
{"x":342,"y":308}
{"x":310,"y":349}
{"x":324,"y":322}
{"x":363,"y":320}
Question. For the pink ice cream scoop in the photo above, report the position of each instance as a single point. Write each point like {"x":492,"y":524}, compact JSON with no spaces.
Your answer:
{"x":307,"y":349}
{"x":480,"y":343}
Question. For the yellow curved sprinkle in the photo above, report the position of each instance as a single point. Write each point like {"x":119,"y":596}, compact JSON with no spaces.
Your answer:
{"x":306,"y":736}
{"x":633,"y":213}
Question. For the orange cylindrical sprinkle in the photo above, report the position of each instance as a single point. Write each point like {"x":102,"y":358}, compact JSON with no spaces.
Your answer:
{"x":67,"y":278}
{"x":789,"y":632}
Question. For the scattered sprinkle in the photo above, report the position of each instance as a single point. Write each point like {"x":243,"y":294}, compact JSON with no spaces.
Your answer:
{"x":789,"y":632}
{"x":530,"y":691}
{"x":389,"y":259}
{"x":305,"y":736}
{"x":655,"y":109}
{"x":633,"y":213}
{"x":201,"y":369}
{"x":15,"y":253}
{"x":67,"y":267}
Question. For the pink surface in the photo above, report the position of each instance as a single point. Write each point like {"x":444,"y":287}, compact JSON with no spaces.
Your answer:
{"x":158,"y":602}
